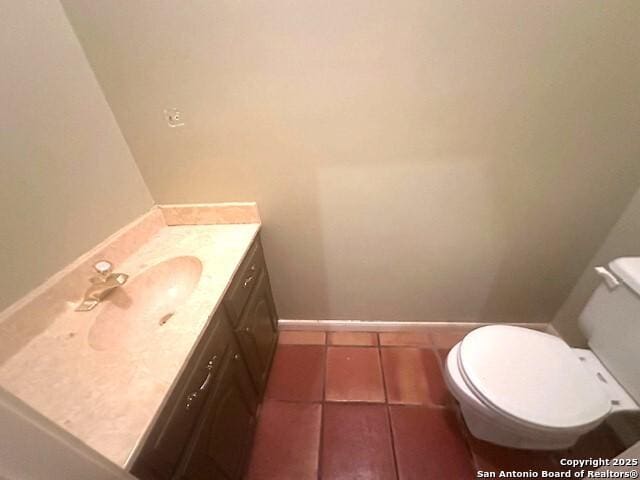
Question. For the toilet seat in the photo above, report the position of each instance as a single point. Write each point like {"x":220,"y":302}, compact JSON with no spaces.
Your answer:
{"x":532,"y":378}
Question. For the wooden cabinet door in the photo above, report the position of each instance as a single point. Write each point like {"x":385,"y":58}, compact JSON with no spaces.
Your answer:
{"x":257,"y":332}
{"x":223,"y":438}
{"x":174,"y":428}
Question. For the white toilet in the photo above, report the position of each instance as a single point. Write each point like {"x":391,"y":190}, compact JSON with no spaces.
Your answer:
{"x":522,"y":388}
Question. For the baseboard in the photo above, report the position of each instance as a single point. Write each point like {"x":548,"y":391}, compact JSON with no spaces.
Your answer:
{"x":386,"y":326}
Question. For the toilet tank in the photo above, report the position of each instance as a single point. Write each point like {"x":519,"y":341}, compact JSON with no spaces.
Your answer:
{"x":611,"y":322}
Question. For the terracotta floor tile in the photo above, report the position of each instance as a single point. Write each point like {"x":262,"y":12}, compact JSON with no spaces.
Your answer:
{"x":442,"y":353}
{"x":413,"y":376}
{"x":356,"y":441}
{"x":429,"y":444}
{"x":445,"y":338}
{"x":599,"y":443}
{"x":297,"y":373}
{"x":354,"y":374}
{"x":287,"y":442}
{"x":365,"y":339}
{"x":405,"y":339}
{"x":290,"y":337}
{"x":490,"y":457}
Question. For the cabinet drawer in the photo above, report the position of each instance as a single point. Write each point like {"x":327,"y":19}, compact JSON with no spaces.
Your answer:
{"x":171,"y":433}
{"x":244,"y":282}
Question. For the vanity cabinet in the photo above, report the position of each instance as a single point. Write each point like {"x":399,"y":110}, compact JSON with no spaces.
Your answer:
{"x":222,"y":440}
{"x":255,"y":324}
{"x":205,"y":429}
{"x":173,"y":428}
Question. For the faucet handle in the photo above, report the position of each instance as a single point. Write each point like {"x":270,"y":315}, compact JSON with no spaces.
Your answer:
{"x":103,"y":267}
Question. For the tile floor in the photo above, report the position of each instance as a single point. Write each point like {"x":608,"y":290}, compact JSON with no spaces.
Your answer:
{"x":368,"y":406}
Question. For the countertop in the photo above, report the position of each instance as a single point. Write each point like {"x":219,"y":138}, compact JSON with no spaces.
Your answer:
{"x":109,"y":397}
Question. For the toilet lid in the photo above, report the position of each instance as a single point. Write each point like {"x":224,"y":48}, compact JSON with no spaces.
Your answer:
{"x":532,"y":377}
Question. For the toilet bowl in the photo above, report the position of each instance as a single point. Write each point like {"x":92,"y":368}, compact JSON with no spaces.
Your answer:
{"x":527,"y":389}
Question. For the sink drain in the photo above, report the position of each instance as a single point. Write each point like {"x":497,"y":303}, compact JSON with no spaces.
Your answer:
{"x":165,"y":318}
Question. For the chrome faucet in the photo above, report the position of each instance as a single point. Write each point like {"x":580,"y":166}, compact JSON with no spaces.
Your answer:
{"x":101,"y":285}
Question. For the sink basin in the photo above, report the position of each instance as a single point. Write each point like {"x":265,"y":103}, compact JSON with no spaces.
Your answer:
{"x":132,"y":313}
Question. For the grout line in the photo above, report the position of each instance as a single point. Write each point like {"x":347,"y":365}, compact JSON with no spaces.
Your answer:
{"x":384,"y":383}
{"x":322,"y":404}
{"x":397,"y":345}
{"x":464,"y":432}
{"x":388,"y":410}
{"x":435,"y":350}
{"x":466,"y":436}
{"x":392,"y":442}
{"x":433,"y":406}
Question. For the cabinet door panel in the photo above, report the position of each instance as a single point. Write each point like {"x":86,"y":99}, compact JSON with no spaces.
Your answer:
{"x":222,"y":439}
{"x":257,"y":332}
{"x":263,"y":331}
{"x":173,"y":429}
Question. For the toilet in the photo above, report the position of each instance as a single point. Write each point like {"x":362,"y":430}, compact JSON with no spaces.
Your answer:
{"x":523,"y":388}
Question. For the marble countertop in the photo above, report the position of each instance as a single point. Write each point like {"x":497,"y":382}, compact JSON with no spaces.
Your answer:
{"x":109,"y":397}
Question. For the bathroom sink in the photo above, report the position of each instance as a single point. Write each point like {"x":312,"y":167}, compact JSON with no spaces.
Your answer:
{"x":132,"y":313}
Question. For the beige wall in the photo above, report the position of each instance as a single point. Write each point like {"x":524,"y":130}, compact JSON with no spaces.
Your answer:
{"x":67,"y":177}
{"x":413,"y":160}
{"x":623,"y":240}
